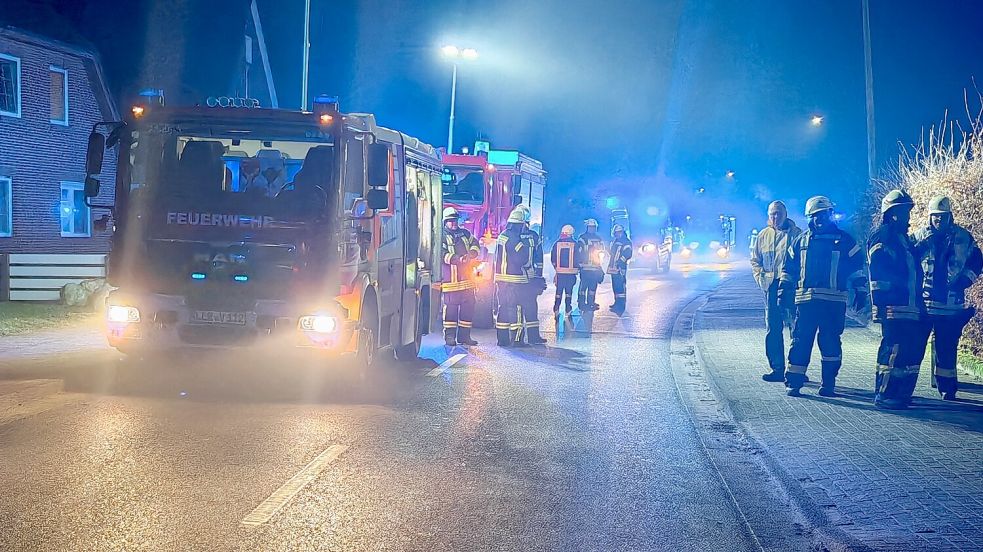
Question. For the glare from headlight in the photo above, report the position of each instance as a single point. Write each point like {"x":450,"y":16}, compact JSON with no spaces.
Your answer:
{"x":648,"y":248}
{"x":686,"y":252}
{"x":121,"y":314}
{"x":723,"y":252}
{"x":318,"y":323}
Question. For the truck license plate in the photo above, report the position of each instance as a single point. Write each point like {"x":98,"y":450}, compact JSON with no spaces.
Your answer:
{"x":216,"y":317}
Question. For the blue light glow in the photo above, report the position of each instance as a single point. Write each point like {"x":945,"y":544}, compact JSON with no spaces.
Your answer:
{"x":241,"y":278}
{"x":197,"y":275}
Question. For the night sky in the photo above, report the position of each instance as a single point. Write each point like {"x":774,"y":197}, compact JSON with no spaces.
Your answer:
{"x":646,"y":101}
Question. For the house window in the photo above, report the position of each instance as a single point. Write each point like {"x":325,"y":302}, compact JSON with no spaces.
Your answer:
{"x":6,"y":216}
{"x":9,"y":85}
{"x":74,"y":211}
{"x":59,"y":95}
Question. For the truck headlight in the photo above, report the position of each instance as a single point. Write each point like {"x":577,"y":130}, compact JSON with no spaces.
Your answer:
{"x":686,"y":252}
{"x":122,"y":314}
{"x":648,"y":248}
{"x":723,"y":252}
{"x":318,"y":323}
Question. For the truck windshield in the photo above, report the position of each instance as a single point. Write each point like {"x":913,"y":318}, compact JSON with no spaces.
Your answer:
{"x":284,"y":179}
{"x":468,"y":188}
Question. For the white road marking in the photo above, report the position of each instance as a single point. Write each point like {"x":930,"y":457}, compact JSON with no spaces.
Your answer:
{"x":445,"y":365}
{"x":286,"y":492}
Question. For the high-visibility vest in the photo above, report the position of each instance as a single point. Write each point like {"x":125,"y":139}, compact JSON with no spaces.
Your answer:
{"x":562,"y":256}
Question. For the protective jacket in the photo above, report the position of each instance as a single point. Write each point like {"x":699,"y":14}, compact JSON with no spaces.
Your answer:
{"x":951,"y":262}
{"x":770,"y":251}
{"x":619,"y":254}
{"x":895,"y":276}
{"x":534,"y":267}
{"x":511,"y":256}
{"x":590,"y":247}
{"x":458,"y":250}
{"x":820,"y":264}
{"x":562,"y":256}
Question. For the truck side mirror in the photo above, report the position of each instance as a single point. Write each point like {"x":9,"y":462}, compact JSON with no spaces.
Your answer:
{"x":94,"y":153}
{"x":377,"y":199}
{"x":91,"y":186}
{"x":378,"y":166}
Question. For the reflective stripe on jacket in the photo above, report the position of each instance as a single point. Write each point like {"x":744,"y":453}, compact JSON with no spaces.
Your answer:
{"x":821,"y":263}
{"x":562,"y":256}
{"x":534,"y":267}
{"x":770,"y":251}
{"x":455,"y":273}
{"x":895,"y":276}
{"x":951,"y":262}
{"x":620,"y":253}
{"x":511,"y":256}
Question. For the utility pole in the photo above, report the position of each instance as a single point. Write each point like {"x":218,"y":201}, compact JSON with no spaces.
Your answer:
{"x":868,"y":69}
{"x":307,"y":53}
{"x":450,"y":124}
{"x":263,"y":54}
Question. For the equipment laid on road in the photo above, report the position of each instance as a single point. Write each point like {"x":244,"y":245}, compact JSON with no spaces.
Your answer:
{"x":241,"y":227}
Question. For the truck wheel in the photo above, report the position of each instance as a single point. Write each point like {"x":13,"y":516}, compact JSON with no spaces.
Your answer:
{"x":367,"y":354}
{"x":407,"y":353}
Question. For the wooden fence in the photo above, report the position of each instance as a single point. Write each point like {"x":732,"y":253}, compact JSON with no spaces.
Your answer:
{"x":38,"y":277}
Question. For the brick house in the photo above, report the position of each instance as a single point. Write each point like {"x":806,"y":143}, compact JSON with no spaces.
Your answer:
{"x":51,"y":94}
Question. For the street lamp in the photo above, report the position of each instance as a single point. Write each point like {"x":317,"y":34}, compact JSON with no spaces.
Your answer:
{"x":455,"y":54}
{"x":816,"y":120}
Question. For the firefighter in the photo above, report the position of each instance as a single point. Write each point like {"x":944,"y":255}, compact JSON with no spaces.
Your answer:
{"x":590,"y":248}
{"x":895,"y":286}
{"x":562,"y":257}
{"x":951,"y":262}
{"x":618,"y":257}
{"x":459,"y":250}
{"x":819,"y":283}
{"x":511,"y":257}
{"x":767,"y":259}
{"x":530,"y":292}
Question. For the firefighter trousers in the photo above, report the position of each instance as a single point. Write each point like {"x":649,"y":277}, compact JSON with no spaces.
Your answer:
{"x":564,"y":290}
{"x":619,"y":285}
{"x":507,"y":321}
{"x":528,"y":317}
{"x":776,"y":315}
{"x":589,"y":280}
{"x":827,"y":319}
{"x":946,"y":330}
{"x":458,"y":313}
{"x":899,"y":358}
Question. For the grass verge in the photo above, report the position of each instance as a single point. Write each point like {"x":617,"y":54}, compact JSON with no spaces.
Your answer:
{"x":17,"y":317}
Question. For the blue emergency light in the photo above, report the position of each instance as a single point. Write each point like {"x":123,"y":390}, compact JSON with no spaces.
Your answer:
{"x":197,"y":275}
{"x":241,"y":278}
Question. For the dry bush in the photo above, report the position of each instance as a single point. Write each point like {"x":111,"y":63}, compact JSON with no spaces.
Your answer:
{"x":948,"y":161}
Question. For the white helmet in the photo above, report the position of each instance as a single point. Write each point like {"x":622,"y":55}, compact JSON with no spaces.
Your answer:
{"x":896,"y":198}
{"x":939,"y":205}
{"x":567,"y":230}
{"x":818,"y":203}
{"x":451,"y":213}
{"x":591,"y":222}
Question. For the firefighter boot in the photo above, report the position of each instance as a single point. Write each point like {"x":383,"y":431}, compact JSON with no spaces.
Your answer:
{"x":774,"y":376}
{"x":450,"y":336}
{"x":502,"y":334}
{"x":534,"y":337}
{"x":794,"y":383}
{"x":827,"y":386}
{"x":464,"y":337}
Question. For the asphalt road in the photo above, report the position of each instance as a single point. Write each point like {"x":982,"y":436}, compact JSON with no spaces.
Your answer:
{"x":584,"y":444}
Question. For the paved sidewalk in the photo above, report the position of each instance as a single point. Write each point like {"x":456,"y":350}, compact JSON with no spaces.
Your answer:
{"x":910,"y":480}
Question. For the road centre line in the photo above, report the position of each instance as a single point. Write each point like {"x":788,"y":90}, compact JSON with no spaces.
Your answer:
{"x":446,"y":364}
{"x":288,"y":490}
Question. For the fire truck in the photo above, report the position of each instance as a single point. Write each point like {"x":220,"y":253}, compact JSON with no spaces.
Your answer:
{"x":251,"y":227}
{"x":484,"y":187}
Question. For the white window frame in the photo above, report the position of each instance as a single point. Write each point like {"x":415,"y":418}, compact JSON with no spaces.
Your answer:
{"x":75,"y":187}
{"x":64,"y":72}
{"x":9,"y":183}
{"x":17,"y":83}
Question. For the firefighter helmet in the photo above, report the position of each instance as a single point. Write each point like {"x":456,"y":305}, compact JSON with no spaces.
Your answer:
{"x":617,"y":228}
{"x":526,"y":212}
{"x":451,"y":213}
{"x":591,"y":222}
{"x":939,"y":205}
{"x":818,"y":203}
{"x":896,"y":198}
{"x":567,"y":230}
{"x":517,"y":216}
